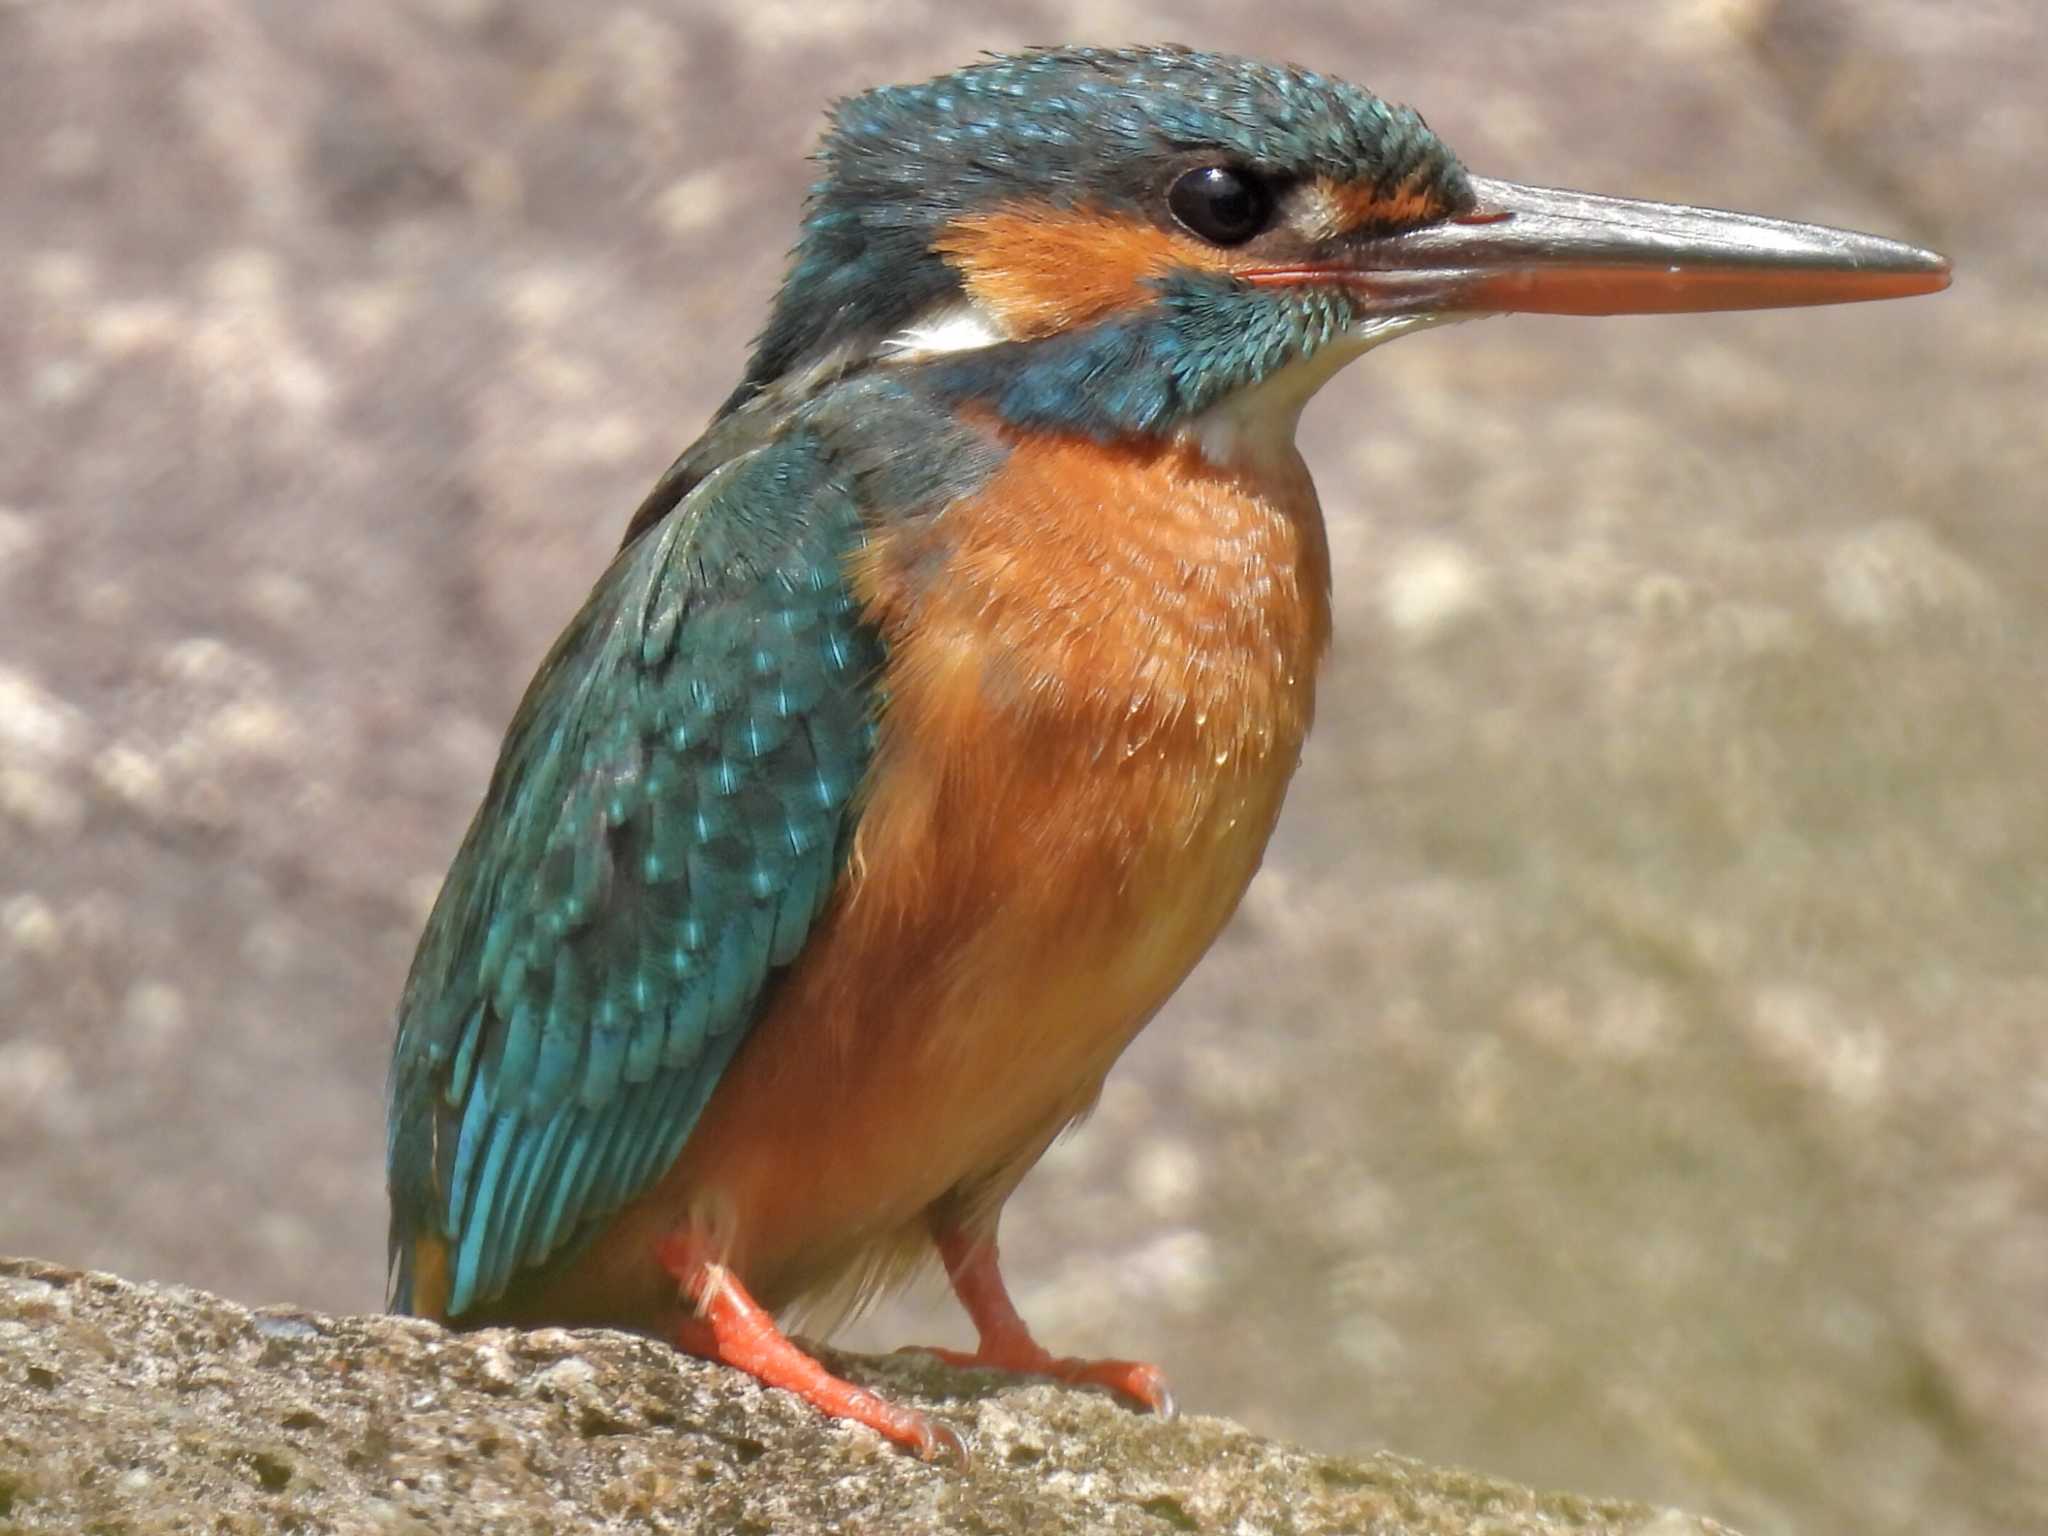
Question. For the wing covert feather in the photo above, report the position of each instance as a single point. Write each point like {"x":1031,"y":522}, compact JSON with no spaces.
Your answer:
{"x":669,"y":813}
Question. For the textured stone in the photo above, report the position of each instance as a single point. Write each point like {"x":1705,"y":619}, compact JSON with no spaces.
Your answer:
{"x":147,"y":1409}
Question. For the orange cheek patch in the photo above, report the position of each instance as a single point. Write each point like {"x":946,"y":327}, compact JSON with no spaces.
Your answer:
{"x":1041,"y":270}
{"x":1350,"y":205}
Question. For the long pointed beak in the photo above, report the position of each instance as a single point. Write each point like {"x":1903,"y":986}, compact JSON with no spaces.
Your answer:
{"x":1539,"y":250}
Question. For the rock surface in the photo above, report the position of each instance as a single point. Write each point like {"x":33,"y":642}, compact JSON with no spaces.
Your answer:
{"x":143,"y":1409}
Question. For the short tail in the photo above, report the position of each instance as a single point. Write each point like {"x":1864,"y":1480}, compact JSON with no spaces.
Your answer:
{"x":417,"y":1285}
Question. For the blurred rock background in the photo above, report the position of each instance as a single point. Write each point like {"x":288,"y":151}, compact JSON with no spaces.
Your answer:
{"x":1631,"y":1071}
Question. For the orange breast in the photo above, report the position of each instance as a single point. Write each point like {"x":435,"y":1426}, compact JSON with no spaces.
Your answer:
{"x":1101,"y":673}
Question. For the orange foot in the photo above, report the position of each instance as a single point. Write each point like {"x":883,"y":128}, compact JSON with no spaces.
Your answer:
{"x":1006,"y":1343}
{"x":732,"y":1328}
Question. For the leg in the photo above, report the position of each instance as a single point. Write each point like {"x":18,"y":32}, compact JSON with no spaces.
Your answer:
{"x":1006,"y":1343}
{"x":731,"y":1327}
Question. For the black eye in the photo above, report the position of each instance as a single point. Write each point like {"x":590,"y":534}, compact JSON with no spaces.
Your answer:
{"x":1221,"y":204}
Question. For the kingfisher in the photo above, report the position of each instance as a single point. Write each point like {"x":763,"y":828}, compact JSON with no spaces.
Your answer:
{"x":936,"y":710}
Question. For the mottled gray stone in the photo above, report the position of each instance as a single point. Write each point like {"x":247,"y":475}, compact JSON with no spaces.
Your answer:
{"x":144,"y":1409}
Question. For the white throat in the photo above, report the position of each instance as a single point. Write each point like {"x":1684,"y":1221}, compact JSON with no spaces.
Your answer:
{"x":1255,"y":426}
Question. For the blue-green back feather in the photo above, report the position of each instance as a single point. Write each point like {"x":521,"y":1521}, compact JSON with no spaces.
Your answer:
{"x":669,"y":815}
{"x":667,"y":820}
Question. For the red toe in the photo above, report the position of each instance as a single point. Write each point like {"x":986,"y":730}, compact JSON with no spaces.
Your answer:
{"x":732,"y":1327}
{"x":1007,"y":1345}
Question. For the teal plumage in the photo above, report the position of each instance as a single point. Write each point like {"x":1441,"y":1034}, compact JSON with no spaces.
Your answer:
{"x":667,"y":820}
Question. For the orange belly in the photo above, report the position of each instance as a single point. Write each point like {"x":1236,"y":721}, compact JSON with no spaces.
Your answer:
{"x":1101,"y":673}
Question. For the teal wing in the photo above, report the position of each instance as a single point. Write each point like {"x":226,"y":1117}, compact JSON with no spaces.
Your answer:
{"x":668,"y":817}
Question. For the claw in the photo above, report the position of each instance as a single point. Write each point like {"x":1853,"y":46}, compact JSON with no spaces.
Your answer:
{"x":1164,"y":1407}
{"x":945,"y":1444}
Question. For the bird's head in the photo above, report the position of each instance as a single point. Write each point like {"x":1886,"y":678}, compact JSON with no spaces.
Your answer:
{"x":1117,"y":241}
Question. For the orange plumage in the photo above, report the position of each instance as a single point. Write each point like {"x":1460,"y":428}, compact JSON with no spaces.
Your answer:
{"x":1101,"y":673}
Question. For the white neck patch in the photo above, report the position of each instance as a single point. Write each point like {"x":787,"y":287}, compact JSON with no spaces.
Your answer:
{"x":959,"y":325}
